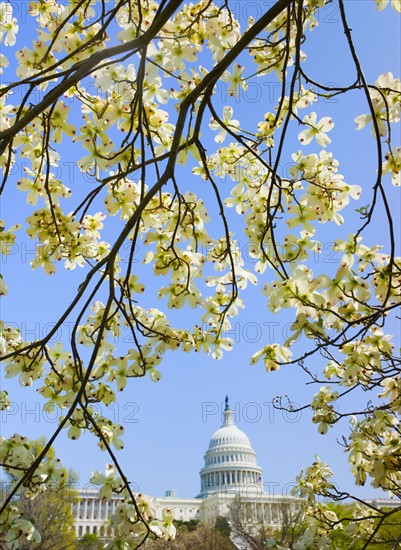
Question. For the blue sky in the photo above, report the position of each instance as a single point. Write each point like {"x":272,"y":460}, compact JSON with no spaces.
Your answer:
{"x":168,"y":424}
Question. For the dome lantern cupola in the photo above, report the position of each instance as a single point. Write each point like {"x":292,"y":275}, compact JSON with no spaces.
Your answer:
{"x":230,"y":461}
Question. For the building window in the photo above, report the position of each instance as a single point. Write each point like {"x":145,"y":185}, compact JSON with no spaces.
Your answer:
{"x":80,"y":531}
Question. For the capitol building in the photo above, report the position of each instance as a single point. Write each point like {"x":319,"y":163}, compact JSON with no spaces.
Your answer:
{"x":230,"y":473}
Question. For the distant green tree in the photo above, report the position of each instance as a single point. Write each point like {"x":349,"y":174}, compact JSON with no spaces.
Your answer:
{"x":204,"y":537}
{"x":223,"y":526}
{"x":49,"y":511}
{"x":387,"y":530}
{"x":89,"y":541}
{"x":190,"y":525}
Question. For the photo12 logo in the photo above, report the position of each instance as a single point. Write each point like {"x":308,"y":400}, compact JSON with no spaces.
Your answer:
{"x":251,"y":412}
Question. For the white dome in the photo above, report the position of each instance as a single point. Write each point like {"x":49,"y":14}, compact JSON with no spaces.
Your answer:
{"x":229,"y":434}
{"x":230,"y":461}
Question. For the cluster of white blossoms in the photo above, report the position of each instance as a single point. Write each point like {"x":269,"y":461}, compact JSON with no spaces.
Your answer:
{"x":128,"y":520}
{"x":16,"y":454}
{"x":128,"y":91}
{"x":386,"y":100}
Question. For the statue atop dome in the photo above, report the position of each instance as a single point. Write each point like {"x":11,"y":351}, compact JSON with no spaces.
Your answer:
{"x":227,"y":407}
